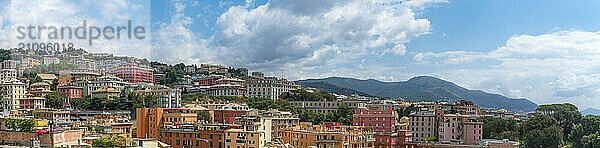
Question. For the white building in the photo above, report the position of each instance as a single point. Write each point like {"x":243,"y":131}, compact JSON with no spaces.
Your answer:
{"x":269,"y":87}
{"x":14,"y":90}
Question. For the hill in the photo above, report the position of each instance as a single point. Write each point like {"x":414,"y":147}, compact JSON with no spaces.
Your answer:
{"x":590,"y":111}
{"x":421,"y":88}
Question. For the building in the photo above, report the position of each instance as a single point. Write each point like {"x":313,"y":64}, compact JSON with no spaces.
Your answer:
{"x":167,"y":97}
{"x":331,"y":135}
{"x":39,"y":89}
{"x":8,"y":74}
{"x":423,"y":126}
{"x":27,"y":63}
{"x":232,"y":90}
{"x":103,"y":82}
{"x":326,"y":106}
{"x":466,"y":107}
{"x":107,"y":92}
{"x":269,"y":87}
{"x":150,"y":120}
{"x":249,"y":131}
{"x":47,"y":60}
{"x":70,"y":91}
{"x":57,"y":116}
{"x":380,"y":120}
{"x":31,"y":103}
{"x":463,"y":129}
{"x":134,"y":73}
{"x":208,"y":81}
{"x":195,"y":135}
{"x":15,"y":90}
{"x":228,"y":113}
{"x":280,"y":120}
{"x":213,"y":68}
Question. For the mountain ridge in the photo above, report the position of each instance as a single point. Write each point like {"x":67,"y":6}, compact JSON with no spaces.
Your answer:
{"x":422,"y":88}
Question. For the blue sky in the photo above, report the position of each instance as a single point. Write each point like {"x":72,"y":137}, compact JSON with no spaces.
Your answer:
{"x":546,"y":51}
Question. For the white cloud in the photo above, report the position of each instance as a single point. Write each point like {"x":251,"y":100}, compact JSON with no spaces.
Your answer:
{"x":315,"y":34}
{"x":559,"y":66}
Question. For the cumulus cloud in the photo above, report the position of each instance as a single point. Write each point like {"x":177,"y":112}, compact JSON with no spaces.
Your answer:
{"x":315,"y":33}
{"x":558,"y":66}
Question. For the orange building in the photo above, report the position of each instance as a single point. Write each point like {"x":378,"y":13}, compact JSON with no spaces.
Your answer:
{"x":332,"y":135}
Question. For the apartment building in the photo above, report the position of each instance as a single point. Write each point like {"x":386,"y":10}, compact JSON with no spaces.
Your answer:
{"x":150,"y":120}
{"x":423,"y":126}
{"x":103,"y":82}
{"x":232,"y":90}
{"x":228,"y":113}
{"x":194,"y":135}
{"x":328,"y":135}
{"x":380,"y":120}
{"x":269,"y":87}
{"x":167,"y":97}
{"x":8,"y":74}
{"x":134,"y":73}
{"x":457,"y":128}
{"x":327,"y":106}
{"x":31,"y":102}
{"x":39,"y":89}
{"x":249,"y":132}
{"x":70,"y":91}
{"x":466,"y":107}
{"x":15,"y":90}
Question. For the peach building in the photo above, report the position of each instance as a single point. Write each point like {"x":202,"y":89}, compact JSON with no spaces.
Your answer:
{"x":333,"y":135}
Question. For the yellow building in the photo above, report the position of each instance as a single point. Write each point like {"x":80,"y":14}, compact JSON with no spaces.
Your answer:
{"x":249,"y":132}
{"x":328,"y":135}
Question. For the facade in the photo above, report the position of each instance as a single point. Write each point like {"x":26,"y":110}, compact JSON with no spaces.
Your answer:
{"x":102,"y":82}
{"x":328,"y":135}
{"x":39,"y":89}
{"x":167,"y":97}
{"x":134,"y":73}
{"x":249,"y":131}
{"x":226,"y":90}
{"x":423,"y":126}
{"x":326,"y":106}
{"x":463,"y":129}
{"x":32,"y":102}
{"x":380,"y":120}
{"x":269,"y":87}
{"x":208,"y":81}
{"x":70,"y":91}
{"x":47,"y":60}
{"x":466,"y":107}
{"x":228,"y":113}
{"x":15,"y":91}
{"x":8,"y":74}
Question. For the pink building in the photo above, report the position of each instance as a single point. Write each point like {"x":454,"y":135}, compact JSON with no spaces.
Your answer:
{"x":473,"y":132}
{"x":460,"y":128}
{"x":380,"y":120}
{"x":134,"y":73}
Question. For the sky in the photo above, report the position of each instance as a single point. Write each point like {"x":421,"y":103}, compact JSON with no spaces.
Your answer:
{"x":547,"y":52}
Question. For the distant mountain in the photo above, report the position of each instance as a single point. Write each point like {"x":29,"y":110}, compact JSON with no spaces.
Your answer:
{"x":591,"y":111}
{"x":334,"y":89}
{"x":421,"y":88}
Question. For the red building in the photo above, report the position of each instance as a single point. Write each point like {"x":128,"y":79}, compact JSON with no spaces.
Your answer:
{"x":227,"y":113}
{"x":207,"y":81}
{"x":134,"y":73}
{"x":380,"y":120}
{"x":70,"y":92}
{"x":32,"y":102}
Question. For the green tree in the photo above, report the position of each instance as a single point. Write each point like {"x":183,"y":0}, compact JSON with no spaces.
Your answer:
{"x":55,"y":101}
{"x":204,"y":116}
{"x":344,"y":114}
{"x":542,"y":131}
{"x":500,"y":128}
{"x":591,"y":141}
{"x":589,"y":125}
{"x":109,"y":142}
{"x":567,"y":115}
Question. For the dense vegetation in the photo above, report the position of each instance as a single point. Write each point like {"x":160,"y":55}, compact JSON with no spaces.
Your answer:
{"x":106,"y":142}
{"x":18,"y":124}
{"x":304,"y":95}
{"x":555,"y":125}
